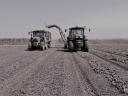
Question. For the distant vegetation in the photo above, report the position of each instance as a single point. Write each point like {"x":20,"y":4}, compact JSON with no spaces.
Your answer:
{"x":21,"y":41}
{"x":109,"y":41}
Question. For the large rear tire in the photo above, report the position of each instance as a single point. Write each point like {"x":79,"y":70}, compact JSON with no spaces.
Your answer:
{"x":71,"y":47}
{"x":49,"y":45}
{"x":65,"y":46}
{"x":29,"y":46}
{"x":85,"y":47}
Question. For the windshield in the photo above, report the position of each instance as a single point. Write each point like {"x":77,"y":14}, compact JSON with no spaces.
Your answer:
{"x":77,"y":32}
{"x":38,"y":34}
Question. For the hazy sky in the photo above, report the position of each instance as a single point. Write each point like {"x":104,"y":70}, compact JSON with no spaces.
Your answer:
{"x":106,"y":18}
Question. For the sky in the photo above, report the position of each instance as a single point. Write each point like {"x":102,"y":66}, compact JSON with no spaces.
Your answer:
{"x":106,"y":18}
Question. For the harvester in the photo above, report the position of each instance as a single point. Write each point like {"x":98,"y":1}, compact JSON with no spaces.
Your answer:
{"x":76,"y":40}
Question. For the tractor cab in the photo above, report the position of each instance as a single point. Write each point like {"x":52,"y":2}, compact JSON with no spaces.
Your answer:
{"x":76,"y":39}
{"x":38,"y":33}
{"x":76,"y":32}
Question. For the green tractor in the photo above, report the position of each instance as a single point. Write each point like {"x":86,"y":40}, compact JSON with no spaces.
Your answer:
{"x":40,"y":39}
{"x":76,"y":40}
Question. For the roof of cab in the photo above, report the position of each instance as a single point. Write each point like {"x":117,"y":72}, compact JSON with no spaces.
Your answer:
{"x":43,"y":31}
{"x":76,"y":28}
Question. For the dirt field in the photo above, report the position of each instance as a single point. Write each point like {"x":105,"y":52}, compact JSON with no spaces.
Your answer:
{"x":103,"y":71}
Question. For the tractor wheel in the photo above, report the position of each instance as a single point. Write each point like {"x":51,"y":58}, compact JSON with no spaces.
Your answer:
{"x":49,"y":45}
{"x":79,"y":46}
{"x":29,"y":46}
{"x":85,"y":48}
{"x":65,"y":46}
{"x":42,"y":46}
{"x":71,"y":46}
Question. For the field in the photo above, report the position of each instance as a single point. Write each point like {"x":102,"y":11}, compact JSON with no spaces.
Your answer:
{"x":103,"y":71}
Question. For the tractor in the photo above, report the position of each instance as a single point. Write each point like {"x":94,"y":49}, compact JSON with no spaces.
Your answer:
{"x":40,"y":39}
{"x":76,"y":40}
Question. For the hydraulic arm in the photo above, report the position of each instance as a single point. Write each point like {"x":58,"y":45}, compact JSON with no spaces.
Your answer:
{"x":62,"y":34}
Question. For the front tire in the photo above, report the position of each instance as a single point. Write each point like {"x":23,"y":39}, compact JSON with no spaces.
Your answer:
{"x":49,"y":45}
{"x":29,"y":46}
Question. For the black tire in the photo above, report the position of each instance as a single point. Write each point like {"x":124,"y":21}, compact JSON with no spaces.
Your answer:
{"x":29,"y":46}
{"x":79,"y":47}
{"x":49,"y":45}
{"x":85,"y":47}
{"x":65,"y":46}
{"x":71,"y":47}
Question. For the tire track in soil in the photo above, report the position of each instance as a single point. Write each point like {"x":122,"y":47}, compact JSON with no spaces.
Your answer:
{"x":8,"y":84}
{"x":56,"y":77}
{"x":46,"y":81}
{"x":97,"y":83}
{"x":19,"y":64}
{"x":72,"y":82}
{"x":116,"y":77}
{"x":92,"y":90}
